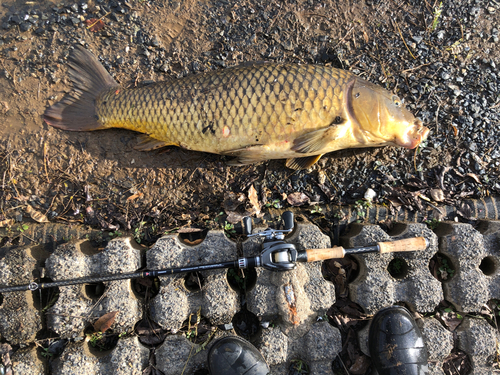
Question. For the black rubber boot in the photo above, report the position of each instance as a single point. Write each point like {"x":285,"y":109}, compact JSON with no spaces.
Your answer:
{"x":396,"y":343}
{"x":235,"y":356}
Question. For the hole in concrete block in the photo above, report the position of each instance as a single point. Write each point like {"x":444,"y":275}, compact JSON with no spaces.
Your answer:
{"x":398,"y":268}
{"x":1,"y":300}
{"x":349,"y":318}
{"x":246,"y":324}
{"x":201,"y":371}
{"x":448,"y":315}
{"x":4,"y":241}
{"x":300,"y":219}
{"x":88,"y":249}
{"x":457,"y":359}
{"x":146,"y":288}
{"x":192,"y":236}
{"x":197,"y":328}
{"x":194,"y":281}
{"x":94,"y":291}
{"x":150,"y":333}
{"x":443,"y":230}
{"x":341,"y":272}
{"x":488,"y":266}
{"x":101,"y":343}
{"x":44,"y":299}
{"x":50,"y":345}
{"x":241,"y":280}
{"x":493,"y":316}
{"x":441,"y":267}
{"x":298,"y":367}
{"x":395,"y":229}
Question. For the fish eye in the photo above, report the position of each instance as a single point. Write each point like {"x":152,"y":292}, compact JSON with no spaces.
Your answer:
{"x":396,"y":101}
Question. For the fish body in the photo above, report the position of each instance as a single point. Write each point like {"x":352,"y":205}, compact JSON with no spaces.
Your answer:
{"x":255,"y":112}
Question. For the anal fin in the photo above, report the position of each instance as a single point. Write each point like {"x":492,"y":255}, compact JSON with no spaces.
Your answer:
{"x":147,"y":143}
{"x":302,"y":163}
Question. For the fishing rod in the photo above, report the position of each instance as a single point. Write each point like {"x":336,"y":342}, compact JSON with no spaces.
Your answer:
{"x":276,"y":255}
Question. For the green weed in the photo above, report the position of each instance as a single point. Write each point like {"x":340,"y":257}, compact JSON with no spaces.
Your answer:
{"x":437,"y":13}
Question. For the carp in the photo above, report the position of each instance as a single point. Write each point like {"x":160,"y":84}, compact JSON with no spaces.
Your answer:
{"x":254,"y":112}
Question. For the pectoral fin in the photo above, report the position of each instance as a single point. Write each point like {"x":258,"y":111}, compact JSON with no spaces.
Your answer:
{"x":147,"y":143}
{"x":317,"y":140}
{"x":246,"y":155}
{"x":302,"y":163}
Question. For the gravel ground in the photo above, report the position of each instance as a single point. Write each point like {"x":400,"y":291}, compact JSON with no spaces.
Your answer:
{"x":440,"y":57}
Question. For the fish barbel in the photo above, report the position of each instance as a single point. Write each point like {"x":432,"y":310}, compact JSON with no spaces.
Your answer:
{"x":255,"y":112}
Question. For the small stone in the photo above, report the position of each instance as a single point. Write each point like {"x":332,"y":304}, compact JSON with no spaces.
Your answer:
{"x":75,"y":21}
{"x":445,"y":75}
{"x":74,"y":7}
{"x":18,"y":216}
{"x":25,"y":26}
{"x":370,"y":195}
{"x":417,"y":39}
{"x":16,"y":19}
{"x":437,"y":195}
{"x":155,"y":42}
{"x":226,"y":327}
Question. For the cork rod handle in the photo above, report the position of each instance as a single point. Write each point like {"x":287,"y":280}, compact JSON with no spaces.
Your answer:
{"x":408,"y":244}
{"x":314,"y":255}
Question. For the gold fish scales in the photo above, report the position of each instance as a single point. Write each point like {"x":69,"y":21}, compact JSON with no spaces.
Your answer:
{"x":255,"y":112}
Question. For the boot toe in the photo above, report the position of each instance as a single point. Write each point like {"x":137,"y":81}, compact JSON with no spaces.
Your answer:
{"x":235,"y":356}
{"x":396,"y":343}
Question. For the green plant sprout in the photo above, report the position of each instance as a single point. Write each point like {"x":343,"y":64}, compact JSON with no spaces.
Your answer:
{"x":437,"y":13}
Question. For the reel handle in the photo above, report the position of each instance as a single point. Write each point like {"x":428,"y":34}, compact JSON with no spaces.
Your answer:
{"x":247,"y":225}
{"x":288,"y":219}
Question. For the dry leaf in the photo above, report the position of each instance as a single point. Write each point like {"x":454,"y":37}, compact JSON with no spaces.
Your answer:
{"x":94,"y":24}
{"x":360,"y":366}
{"x":474,"y":177}
{"x":235,"y":217}
{"x":135,"y":196}
{"x":455,"y":130}
{"x":297,"y":199}
{"x":6,"y":223}
{"x":105,"y":322}
{"x":36,"y":215}
{"x":254,"y":200}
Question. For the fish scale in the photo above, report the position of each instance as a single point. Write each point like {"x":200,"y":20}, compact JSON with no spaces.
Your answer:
{"x":255,"y":111}
{"x":228,"y":109}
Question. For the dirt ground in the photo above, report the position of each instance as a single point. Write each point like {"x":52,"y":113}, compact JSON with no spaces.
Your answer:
{"x":97,"y":178}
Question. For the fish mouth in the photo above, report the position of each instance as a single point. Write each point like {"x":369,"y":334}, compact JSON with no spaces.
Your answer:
{"x":415,"y":134}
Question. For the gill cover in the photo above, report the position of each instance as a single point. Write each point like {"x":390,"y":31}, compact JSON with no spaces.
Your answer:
{"x":379,"y":117}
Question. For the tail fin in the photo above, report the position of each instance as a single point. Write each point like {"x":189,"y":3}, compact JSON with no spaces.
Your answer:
{"x":76,"y":111}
